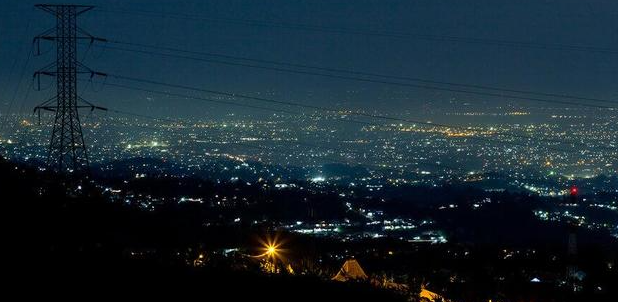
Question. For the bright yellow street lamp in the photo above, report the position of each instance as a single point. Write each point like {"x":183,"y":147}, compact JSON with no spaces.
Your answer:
{"x":271,"y":250}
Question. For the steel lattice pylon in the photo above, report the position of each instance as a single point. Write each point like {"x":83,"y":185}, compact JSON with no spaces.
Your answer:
{"x":67,"y":150}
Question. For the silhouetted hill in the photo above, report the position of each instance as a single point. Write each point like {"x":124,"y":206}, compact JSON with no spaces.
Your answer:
{"x":75,"y":245}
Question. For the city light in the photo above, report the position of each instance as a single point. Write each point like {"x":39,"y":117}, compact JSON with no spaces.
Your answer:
{"x":271,"y":251}
{"x":574,"y":190}
{"x":271,"y":248}
{"x":478,"y":173}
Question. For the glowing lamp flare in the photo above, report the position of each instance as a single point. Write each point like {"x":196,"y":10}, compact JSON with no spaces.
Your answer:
{"x":271,"y":248}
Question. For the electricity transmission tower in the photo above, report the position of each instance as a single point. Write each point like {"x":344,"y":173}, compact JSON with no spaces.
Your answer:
{"x":67,"y":150}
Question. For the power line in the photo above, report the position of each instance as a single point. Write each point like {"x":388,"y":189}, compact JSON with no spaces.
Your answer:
{"x":21,"y":76}
{"x":304,"y":143}
{"x":185,"y":96}
{"x":200,"y":98}
{"x":327,"y":109}
{"x":375,"y":81}
{"x":142,"y":115}
{"x":356,"y":72}
{"x":373,"y":33}
{"x":15,"y":58}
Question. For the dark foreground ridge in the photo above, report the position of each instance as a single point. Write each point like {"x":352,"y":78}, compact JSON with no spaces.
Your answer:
{"x":77,"y":246}
{"x":67,"y":239}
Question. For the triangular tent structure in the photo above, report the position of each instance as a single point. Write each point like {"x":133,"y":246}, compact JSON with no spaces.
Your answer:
{"x":350,"y":270}
{"x":430,"y":296}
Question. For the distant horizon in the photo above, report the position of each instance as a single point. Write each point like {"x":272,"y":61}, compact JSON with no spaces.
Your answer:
{"x":580,"y":70}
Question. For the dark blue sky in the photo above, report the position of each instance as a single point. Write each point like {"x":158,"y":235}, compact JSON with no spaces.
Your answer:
{"x":572,"y":22}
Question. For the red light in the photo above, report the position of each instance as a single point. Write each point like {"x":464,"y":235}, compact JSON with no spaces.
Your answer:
{"x":573,"y":190}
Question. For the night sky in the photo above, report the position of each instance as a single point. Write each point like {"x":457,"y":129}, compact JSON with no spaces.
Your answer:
{"x":590,"y":23}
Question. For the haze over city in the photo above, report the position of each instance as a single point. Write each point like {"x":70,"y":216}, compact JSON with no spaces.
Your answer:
{"x":401,"y":150}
